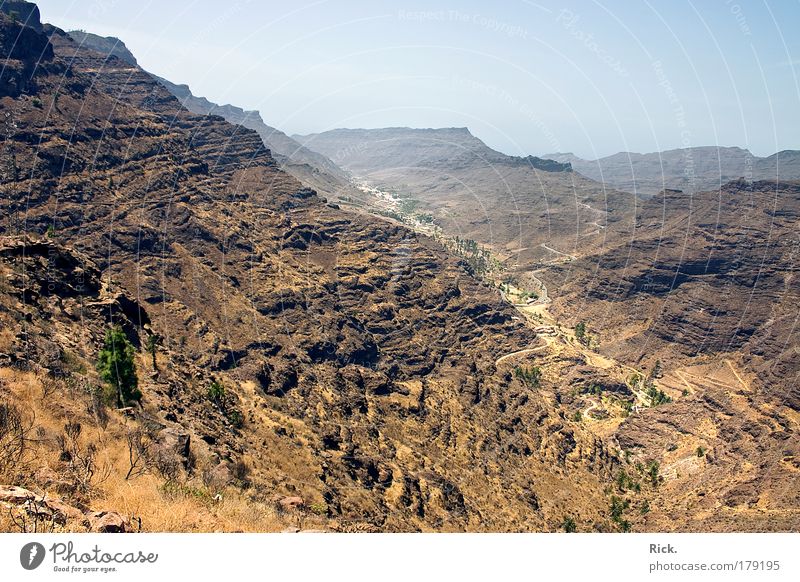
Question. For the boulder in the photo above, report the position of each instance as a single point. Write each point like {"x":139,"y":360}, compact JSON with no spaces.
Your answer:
{"x":176,"y":440}
{"x":291,"y":503}
{"x":16,"y":495}
{"x":62,"y":512}
{"x":107,"y":522}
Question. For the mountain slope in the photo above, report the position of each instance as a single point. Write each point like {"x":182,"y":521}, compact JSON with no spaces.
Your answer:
{"x":713,"y":272}
{"x":359,"y":362}
{"x":528,"y":210}
{"x":311,"y":168}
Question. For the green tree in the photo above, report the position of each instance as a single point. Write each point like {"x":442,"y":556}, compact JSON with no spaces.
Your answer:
{"x":580,"y":330}
{"x":116,"y":366}
{"x":618,"y":507}
{"x":569,"y":525}
{"x":153,"y":341}
{"x":657,"y":396}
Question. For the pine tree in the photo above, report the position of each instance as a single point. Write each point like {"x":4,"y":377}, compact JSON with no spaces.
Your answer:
{"x":116,"y":366}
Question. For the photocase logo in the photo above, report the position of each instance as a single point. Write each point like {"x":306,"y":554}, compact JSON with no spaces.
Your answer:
{"x":31,"y":555}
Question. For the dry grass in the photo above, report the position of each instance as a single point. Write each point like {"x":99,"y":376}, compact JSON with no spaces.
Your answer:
{"x":183,"y":506}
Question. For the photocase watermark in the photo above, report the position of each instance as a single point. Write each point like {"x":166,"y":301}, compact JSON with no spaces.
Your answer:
{"x":66,"y":558}
{"x":680,"y":120}
{"x":569,"y":20}
{"x":514,"y":103}
{"x":487,"y":22}
{"x":31,"y":555}
{"x":736,"y":10}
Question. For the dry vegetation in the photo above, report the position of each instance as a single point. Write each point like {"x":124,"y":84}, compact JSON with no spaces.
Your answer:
{"x":56,"y":441}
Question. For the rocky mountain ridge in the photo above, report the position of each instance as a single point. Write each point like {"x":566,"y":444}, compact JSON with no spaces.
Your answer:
{"x":307,"y":166}
{"x":694,"y":169}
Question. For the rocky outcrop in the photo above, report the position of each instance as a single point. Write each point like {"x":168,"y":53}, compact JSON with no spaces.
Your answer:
{"x":107,"y":45}
{"x":49,"y":512}
{"x":23,"y":45}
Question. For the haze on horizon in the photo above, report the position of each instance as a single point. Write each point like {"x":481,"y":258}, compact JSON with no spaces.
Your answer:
{"x":593,"y":78}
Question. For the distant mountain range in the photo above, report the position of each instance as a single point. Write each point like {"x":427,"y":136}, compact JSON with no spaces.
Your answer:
{"x":690,"y":170}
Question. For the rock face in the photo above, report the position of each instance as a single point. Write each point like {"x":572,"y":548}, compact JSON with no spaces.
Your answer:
{"x":107,"y":45}
{"x":527,"y":209}
{"x":712,"y":273}
{"x":357,"y":358}
{"x":690,"y":169}
{"x":707,"y":285}
{"x":307,"y":166}
{"x":22,"y":45}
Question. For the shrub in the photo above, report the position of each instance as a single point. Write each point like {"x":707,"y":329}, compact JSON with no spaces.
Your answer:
{"x":236,"y":419}
{"x":569,"y":525}
{"x":657,"y":396}
{"x":13,"y":440}
{"x":216,"y":392}
{"x":116,"y":366}
{"x":618,"y":506}
{"x":153,"y":341}
{"x":652,"y":472}
{"x":700,"y":451}
{"x":529,"y":376}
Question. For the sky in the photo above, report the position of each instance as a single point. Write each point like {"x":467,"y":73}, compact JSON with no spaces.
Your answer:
{"x":592,"y":78}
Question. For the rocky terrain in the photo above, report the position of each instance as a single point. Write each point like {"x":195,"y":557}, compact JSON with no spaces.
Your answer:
{"x":710,"y":272}
{"x":311,"y":168}
{"x":528,"y":210}
{"x":708,"y":288}
{"x":332,"y":361}
{"x":304,"y":365}
{"x":690,"y":169}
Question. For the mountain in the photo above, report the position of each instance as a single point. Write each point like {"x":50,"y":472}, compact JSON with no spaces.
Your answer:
{"x":712,"y":272}
{"x":690,"y":169}
{"x":107,"y":45}
{"x":708,"y":288}
{"x":193,"y":340}
{"x":311,"y":168}
{"x":294,"y":360}
{"x":527,"y":209}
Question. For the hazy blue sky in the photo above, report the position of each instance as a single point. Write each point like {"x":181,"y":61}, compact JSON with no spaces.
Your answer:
{"x":526,"y":77}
